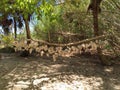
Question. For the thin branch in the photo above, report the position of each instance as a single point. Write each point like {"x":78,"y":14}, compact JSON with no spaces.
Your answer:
{"x":108,"y":11}
{"x":116,"y":4}
{"x":68,"y":34}
{"x":116,"y":45}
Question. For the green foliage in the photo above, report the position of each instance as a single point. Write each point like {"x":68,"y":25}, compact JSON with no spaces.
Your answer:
{"x":66,"y":18}
{"x":48,"y":22}
{"x":7,"y":40}
{"x":56,"y":23}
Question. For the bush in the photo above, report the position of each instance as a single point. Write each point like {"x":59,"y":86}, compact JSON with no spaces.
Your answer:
{"x":7,"y":40}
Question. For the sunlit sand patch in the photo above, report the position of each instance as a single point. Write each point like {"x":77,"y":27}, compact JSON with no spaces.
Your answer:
{"x":74,"y":82}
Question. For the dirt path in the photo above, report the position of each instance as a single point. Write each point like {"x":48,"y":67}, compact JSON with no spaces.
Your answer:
{"x":76,"y":73}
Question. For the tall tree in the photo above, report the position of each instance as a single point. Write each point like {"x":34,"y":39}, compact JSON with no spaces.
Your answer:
{"x":27,"y":28}
{"x":95,"y":7}
{"x":15,"y":27}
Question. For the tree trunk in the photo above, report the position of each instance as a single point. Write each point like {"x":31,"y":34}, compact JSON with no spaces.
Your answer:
{"x":15,"y":28}
{"x":95,"y":18}
{"x":96,"y":28}
{"x":27,"y":29}
{"x":26,"y":53}
{"x":97,"y":33}
{"x":6,"y":31}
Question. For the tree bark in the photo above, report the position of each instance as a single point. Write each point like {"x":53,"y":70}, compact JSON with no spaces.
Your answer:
{"x":27,"y":29}
{"x":91,"y":5}
{"x":15,"y":28}
{"x":95,"y":18}
{"x":26,"y":53}
{"x":97,"y":33}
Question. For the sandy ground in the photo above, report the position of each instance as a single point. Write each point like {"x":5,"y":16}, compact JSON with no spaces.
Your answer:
{"x":73,"y":73}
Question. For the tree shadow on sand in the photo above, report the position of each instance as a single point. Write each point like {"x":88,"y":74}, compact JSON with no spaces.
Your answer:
{"x":73,"y":73}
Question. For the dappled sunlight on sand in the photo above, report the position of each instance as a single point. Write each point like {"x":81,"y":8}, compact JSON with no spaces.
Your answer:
{"x":66,"y":82}
{"x":65,"y":74}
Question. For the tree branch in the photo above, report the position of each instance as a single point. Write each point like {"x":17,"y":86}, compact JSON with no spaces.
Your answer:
{"x":70,"y":44}
{"x":116,"y":4}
